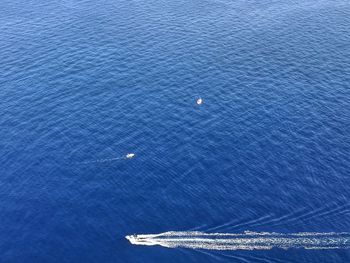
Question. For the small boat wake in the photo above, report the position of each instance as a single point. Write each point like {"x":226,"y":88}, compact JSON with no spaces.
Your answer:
{"x":127,"y":156}
{"x":243,"y":241}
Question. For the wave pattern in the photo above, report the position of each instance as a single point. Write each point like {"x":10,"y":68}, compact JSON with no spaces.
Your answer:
{"x":87,"y":81}
{"x":244,"y":241}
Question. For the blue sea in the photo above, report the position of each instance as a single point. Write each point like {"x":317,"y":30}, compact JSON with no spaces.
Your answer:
{"x":83,"y":83}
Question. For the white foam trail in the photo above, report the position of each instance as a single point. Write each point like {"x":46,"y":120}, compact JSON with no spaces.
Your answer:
{"x":127,"y":156}
{"x":246,"y":241}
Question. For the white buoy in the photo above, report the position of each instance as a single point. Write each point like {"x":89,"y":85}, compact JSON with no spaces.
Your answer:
{"x":129,"y":155}
{"x":199,"y":101}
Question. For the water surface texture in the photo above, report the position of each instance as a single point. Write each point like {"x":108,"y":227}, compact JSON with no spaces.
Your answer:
{"x":268,"y":150}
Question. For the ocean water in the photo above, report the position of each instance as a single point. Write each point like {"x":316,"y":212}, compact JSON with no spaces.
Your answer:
{"x":267,"y":151}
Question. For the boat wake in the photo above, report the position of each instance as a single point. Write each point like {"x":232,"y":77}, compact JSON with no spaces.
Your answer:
{"x":127,"y":156}
{"x":244,"y":241}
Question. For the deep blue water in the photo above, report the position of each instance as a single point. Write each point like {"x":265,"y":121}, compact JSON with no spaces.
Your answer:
{"x":268,"y":150}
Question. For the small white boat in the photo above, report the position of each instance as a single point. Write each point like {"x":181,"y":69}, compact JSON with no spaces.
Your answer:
{"x":199,"y":101}
{"x":129,"y":155}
